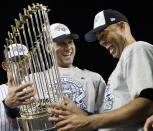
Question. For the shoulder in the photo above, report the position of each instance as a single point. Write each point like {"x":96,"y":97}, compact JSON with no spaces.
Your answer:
{"x":137,"y":48}
{"x":139,"y":45}
{"x":93,"y":75}
{"x":3,"y":86}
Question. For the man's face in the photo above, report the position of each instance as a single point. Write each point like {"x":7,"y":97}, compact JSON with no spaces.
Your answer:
{"x":19,"y":67}
{"x":112,"y":39}
{"x":65,"y":53}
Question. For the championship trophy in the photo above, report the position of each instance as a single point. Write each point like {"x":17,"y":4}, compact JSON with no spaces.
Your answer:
{"x":30,"y":42}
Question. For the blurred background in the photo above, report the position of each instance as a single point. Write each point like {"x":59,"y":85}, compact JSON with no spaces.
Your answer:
{"x":79,"y":16}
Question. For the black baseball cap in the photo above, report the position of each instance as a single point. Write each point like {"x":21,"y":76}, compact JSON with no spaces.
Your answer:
{"x":102,"y":20}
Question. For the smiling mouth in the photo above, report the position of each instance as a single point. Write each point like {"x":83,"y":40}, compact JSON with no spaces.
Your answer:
{"x":110,"y":48}
{"x":67,"y":54}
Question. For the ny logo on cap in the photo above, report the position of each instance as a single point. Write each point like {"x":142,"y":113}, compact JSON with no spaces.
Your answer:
{"x":61,"y":28}
{"x":112,"y":19}
{"x":18,"y":49}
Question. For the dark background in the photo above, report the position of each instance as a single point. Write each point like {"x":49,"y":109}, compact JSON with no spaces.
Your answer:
{"x":79,"y":16}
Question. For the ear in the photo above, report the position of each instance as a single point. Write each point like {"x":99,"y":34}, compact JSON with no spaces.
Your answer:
{"x":4,"y":66}
{"x":47,"y":48}
{"x":122,"y":25}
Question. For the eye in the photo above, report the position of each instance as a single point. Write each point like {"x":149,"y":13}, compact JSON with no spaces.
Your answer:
{"x":70,"y":41}
{"x":60,"y":43}
{"x":101,"y":36}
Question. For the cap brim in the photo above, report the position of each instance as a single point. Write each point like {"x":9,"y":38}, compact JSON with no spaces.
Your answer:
{"x":63,"y":37}
{"x":17,"y":58}
{"x":91,"y":35}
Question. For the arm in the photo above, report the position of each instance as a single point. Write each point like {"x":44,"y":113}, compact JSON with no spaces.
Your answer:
{"x":13,"y":122}
{"x":16,"y":96}
{"x":131,"y":114}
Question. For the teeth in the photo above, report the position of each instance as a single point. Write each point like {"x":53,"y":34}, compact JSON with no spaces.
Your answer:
{"x":67,"y":54}
{"x":111,"y":50}
{"x":108,"y":47}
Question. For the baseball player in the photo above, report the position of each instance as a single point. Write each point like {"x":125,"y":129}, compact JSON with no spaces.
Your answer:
{"x":129,"y":93}
{"x":77,"y":84}
{"x":12,"y":96}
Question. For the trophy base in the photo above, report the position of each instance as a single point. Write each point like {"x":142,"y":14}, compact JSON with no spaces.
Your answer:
{"x":35,"y":124}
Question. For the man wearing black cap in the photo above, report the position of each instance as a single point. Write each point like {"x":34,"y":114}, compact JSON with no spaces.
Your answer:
{"x":129,"y":92}
{"x":85,"y":88}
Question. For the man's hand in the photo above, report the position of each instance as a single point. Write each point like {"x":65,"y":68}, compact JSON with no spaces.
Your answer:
{"x":19,"y":95}
{"x":72,"y":122}
{"x":68,"y":117}
{"x":149,"y":124}
{"x":69,"y":108}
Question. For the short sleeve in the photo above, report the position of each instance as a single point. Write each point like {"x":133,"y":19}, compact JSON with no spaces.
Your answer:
{"x":139,"y":70}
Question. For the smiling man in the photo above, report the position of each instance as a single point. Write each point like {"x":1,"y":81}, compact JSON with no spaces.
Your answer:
{"x":77,"y":84}
{"x":63,"y":44}
{"x":129,"y":92}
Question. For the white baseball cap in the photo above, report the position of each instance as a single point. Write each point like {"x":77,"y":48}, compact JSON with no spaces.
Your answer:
{"x":102,"y":20}
{"x":17,"y":50}
{"x":60,"y":32}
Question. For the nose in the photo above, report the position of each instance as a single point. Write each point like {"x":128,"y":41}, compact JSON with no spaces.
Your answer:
{"x":103,"y":43}
{"x":67,"y":45}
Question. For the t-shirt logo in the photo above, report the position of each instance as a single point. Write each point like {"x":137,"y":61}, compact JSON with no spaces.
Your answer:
{"x":108,"y":99}
{"x":74,"y":90}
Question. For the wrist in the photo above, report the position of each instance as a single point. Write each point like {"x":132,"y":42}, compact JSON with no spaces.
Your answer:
{"x":87,"y":112}
{"x":7,"y":103}
{"x":95,"y":121}
{"x":88,"y":123}
{"x":12,"y":113}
